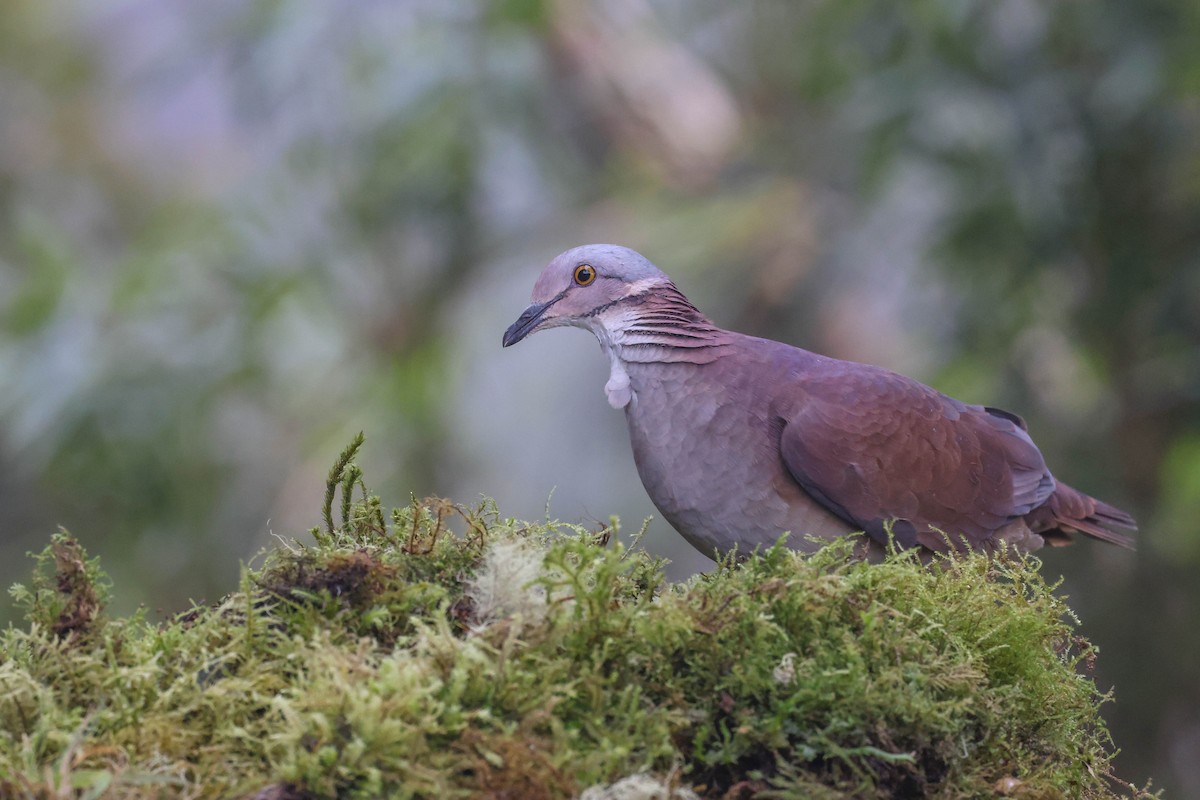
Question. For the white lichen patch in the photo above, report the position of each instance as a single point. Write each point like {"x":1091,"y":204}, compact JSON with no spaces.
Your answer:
{"x":785,"y":672}
{"x":639,"y":787}
{"x":505,"y":586}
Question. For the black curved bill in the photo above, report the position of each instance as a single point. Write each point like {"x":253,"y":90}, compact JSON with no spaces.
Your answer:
{"x":525,"y":323}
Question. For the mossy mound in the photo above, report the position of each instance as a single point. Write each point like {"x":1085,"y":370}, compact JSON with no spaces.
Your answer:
{"x":399,"y":658}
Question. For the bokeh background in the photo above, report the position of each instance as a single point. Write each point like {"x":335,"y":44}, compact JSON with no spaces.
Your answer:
{"x":233,"y":233}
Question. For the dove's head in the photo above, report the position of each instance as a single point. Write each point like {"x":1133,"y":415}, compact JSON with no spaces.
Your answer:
{"x":596,"y":286}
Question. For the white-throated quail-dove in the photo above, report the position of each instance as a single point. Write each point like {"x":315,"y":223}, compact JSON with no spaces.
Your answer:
{"x":739,"y":439}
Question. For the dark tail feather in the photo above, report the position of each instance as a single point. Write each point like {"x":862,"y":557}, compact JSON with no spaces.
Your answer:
{"x":1111,"y":515}
{"x":1073,"y":510}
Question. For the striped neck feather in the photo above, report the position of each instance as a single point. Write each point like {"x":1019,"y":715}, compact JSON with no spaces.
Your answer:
{"x":661,"y":325}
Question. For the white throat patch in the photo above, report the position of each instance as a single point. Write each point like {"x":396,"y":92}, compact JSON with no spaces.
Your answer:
{"x":618,"y":390}
{"x":610,"y":329}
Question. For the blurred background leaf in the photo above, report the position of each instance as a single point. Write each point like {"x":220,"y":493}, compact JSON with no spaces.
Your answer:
{"x":232,"y":234}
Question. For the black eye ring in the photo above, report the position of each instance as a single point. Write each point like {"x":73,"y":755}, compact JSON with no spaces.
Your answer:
{"x":584,"y":274}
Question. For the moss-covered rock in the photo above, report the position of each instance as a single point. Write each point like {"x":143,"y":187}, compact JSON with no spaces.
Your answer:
{"x":439,"y":651}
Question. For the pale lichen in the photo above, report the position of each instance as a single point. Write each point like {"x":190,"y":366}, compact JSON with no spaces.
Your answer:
{"x":639,"y":787}
{"x":506,"y":583}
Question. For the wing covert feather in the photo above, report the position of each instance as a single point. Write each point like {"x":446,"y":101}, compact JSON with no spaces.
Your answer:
{"x":874,"y":446}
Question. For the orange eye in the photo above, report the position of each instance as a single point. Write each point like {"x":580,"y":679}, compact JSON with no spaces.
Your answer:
{"x":584,"y":274}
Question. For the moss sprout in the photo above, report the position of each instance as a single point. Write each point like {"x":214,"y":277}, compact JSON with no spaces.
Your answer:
{"x":444,"y":651}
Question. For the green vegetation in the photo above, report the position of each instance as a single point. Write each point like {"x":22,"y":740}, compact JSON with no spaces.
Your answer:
{"x":440,"y":651}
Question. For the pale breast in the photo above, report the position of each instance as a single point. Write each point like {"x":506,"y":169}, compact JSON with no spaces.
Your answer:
{"x":708,"y":455}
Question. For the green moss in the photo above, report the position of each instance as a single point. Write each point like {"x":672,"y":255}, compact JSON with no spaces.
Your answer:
{"x":440,"y":651}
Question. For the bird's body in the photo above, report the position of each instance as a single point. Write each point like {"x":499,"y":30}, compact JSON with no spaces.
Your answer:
{"x":738,"y":439}
{"x":714,"y":485}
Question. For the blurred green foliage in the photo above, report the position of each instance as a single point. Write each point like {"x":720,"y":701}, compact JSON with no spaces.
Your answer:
{"x":231,"y":233}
